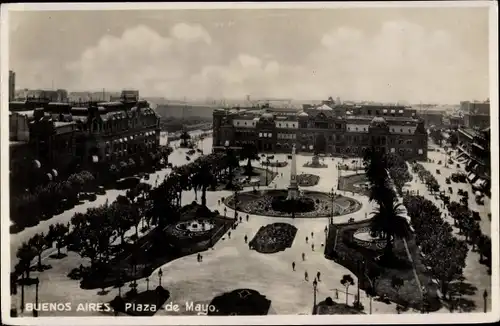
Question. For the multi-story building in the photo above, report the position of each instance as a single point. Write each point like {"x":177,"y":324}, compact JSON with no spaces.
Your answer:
{"x":474,"y":146}
{"x":337,"y":130}
{"x":12,"y":85}
{"x":476,"y":114}
{"x":91,"y":135}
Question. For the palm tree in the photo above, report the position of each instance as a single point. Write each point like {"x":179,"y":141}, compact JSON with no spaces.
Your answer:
{"x":185,"y":136}
{"x":347,"y":281}
{"x":39,"y":244}
{"x":249,"y":152}
{"x":204,"y":179}
{"x":388,"y":220}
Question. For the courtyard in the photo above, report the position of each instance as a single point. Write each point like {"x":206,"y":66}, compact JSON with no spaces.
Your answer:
{"x":231,"y":264}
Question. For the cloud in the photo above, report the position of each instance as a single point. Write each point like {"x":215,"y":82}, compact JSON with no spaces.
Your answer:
{"x":400,"y":61}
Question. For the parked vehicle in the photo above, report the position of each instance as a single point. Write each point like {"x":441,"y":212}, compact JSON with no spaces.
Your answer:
{"x":438,"y":171}
{"x":450,"y":189}
{"x":479,"y":200}
{"x":476,"y":216}
{"x":448,"y":181}
{"x":101,"y":190}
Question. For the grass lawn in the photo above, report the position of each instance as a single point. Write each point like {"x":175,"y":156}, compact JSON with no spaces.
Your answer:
{"x":346,"y":252}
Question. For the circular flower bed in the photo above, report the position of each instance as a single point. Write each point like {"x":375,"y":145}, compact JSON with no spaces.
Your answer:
{"x":273,"y":238}
{"x":299,"y":205}
{"x":267,"y":203}
{"x":307,"y":180}
{"x":363,"y":237}
{"x":191,"y":228}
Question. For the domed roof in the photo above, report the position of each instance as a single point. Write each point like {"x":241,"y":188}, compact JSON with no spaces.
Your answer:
{"x":266,"y":117}
{"x":324,"y":107}
{"x":303,"y":114}
{"x":378,"y":122}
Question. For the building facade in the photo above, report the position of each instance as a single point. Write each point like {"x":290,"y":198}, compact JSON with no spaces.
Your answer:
{"x":339,"y":130}
{"x":12,"y":85}
{"x":94,"y":136}
{"x":476,"y":114}
{"x":474,"y":149}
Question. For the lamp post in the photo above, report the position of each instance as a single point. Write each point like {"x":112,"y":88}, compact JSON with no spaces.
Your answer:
{"x":35,"y":311}
{"x":315,"y":289}
{"x":160,"y":274}
{"x":485,"y":296}
{"x":267,"y":167}
{"x":226,"y":146}
{"x":235,"y":203}
{"x":147,"y":283}
{"x":22,"y":295}
{"x":225,"y":211}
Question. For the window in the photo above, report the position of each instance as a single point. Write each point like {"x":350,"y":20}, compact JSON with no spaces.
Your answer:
{"x":245,"y":123}
{"x":377,"y":112}
{"x":286,"y":125}
{"x":420,"y":151}
{"x":260,"y":134}
{"x":356,"y":128}
{"x":408,"y":141}
{"x":364,"y":129}
{"x":237,"y":123}
{"x":369,"y":112}
{"x":279,"y":124}
{"x":348,"y":128}
{"x":401,"y":130}
{"x":393,"y":150}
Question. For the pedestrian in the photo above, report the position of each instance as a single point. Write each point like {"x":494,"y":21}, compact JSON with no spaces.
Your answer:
{"x":326,"y":229}
{"x":306,"y":276}
{"x":318,"y":276}
{"x":241,"y":219}
{"x":336,"y":294}
{"x":312,"y":246}
{"x":247,"y":217}
{"x":293,"y":266}
{"x":307,"y":240}
{"x":312,"y":235}
{"x":229,"y":234}
{"x":246,"y":239}
{"x":303,"y":256}
{"x":218,"y":202}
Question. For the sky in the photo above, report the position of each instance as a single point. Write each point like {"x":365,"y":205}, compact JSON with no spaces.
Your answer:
{"x":435,"y":55}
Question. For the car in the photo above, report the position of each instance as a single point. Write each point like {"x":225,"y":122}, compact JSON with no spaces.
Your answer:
{"x":479,"y":200}
{"x":188,"y":158}
{"x":146,"y":177}
{"x":448,"y":181}
{"x":438,"y":171}
{"x":92,"y":196}
{"x":450,"y":189}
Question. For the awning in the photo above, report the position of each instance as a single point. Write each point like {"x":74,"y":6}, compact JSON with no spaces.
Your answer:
{"x":471,"y":177}
{"x":95,"y":158}
{"x":121,"y":140}
{"x":131,"y":137}
{"x":107,"y":143}
{"x":37,"y":164}
{"x":400,"y":111}
{"x":54,"y":173}
{"x":385,"y":111}
{"x":49,"y":176}
{"x":393,"y":111}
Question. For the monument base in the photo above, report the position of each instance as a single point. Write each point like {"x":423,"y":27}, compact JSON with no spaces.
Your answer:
{"x":293,"y":192}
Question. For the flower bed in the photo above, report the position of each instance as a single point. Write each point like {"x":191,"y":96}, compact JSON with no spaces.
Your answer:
{"x":242,"y":302}
{"x":275,"y":164}
{"x":307,"y":180}
{"x":261,"y":203}
{"x":340,"y":248}
{"x":273,"y":238}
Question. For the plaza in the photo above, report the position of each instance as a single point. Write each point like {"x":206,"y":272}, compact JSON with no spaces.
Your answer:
{"x":231,"y":265}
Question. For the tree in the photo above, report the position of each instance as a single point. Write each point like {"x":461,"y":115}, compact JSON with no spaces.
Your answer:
{"x":25,"y":253}
{"x":39,"y":244}
{"x":185,"y":136}
{"x":58,"y":234}
{"x":204,"y":178}
{"x":389,"y":221}
{"x":447,"y":261}
{"x":347,"y":281}
{"x":397,"y":282}
{"x":249,"y":152}
{"x":453,"y":139}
